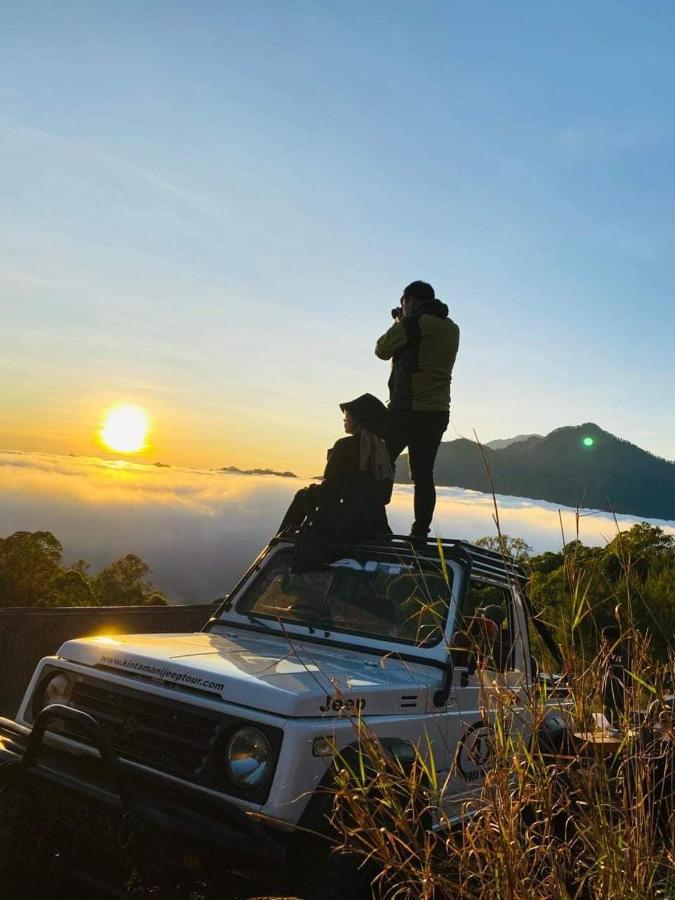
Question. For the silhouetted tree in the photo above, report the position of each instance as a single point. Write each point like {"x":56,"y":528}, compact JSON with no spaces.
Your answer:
{"x":70,"y":588}
{"x":125,"y":583}
{"x":32,"y":573}
{"x":518,"y":549}
{"x":29,"y":564}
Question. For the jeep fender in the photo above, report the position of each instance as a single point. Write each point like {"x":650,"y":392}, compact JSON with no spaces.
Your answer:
{"x":317,"y":812}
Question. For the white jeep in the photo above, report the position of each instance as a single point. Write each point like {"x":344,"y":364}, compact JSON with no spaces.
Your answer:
{"x":213,"y":749}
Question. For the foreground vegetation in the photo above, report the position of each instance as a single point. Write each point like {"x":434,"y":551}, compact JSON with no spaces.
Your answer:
{"x":32,"y":573}
{"x":584,"y":813}
{"x":580,"y":820}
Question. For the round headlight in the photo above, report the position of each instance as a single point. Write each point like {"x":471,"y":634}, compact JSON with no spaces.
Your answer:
{"x":248,"y":757}
{"x":56,"y":690}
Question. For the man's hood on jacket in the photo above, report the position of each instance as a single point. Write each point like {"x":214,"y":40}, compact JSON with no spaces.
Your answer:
{"x":432,"y":308}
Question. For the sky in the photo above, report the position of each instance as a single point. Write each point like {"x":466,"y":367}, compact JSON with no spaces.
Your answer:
{"x":199,"y":530}
{"x":208,"y":209}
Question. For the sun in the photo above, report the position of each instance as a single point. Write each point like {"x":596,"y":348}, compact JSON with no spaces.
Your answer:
{"x":125,"y":429}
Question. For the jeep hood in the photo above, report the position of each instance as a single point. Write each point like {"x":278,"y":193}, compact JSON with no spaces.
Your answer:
{"x":264,"y":672}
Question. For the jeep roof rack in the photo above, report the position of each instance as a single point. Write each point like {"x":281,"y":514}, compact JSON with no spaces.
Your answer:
{"x":485,"y":563}
{"x":489,"y":565}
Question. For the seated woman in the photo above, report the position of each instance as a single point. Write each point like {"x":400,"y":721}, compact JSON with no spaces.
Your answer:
{"x":348,"y":504}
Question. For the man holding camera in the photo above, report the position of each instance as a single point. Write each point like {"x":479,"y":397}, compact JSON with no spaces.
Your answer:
{"x":422,"y":345}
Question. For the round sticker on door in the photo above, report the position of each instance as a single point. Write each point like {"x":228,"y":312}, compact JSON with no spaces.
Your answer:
{"x":474,"y":751}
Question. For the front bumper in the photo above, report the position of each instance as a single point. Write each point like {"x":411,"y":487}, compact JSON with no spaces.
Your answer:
{"x":135,"y":816}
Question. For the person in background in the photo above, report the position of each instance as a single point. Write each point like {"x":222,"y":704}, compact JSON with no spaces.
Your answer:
{"x":349,"y":503}
{"x":422,"y":345}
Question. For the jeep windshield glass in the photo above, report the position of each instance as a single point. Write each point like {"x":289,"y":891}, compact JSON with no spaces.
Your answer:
{"x":388,"y":600}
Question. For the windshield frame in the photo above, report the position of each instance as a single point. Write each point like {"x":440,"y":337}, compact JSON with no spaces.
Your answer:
{"x":290,"y":629}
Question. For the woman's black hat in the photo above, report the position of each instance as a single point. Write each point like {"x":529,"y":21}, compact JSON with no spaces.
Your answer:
{"x":369,"y":412}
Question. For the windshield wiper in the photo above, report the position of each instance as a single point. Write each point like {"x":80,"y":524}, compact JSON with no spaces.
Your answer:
{"x":254,"y":620}
{"x":312,"y":625}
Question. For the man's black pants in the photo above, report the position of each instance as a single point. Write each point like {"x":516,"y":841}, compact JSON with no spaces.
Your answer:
{"x":421,"y":433}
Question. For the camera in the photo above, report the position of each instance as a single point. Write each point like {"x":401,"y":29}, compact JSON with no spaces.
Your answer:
{"x":397,"y":312}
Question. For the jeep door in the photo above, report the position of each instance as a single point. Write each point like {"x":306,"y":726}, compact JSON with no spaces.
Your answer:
{"x":488,"y":658}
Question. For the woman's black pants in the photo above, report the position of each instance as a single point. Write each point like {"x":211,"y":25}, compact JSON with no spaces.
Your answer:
{"x":302,"y":505}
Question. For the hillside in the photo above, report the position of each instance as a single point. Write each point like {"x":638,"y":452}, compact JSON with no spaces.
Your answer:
{"x":501,"y":443}
{"x":575,"y":465}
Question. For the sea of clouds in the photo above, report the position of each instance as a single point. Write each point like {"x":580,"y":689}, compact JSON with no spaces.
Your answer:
{"x":199,"y":529}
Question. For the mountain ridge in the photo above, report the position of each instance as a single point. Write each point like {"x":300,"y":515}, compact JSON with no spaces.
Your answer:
{"x":235,"y":470}
{"x":575,"y":465}
{"x":502,"y":443}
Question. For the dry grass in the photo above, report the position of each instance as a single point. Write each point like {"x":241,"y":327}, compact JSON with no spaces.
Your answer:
{"x":581,"y":820}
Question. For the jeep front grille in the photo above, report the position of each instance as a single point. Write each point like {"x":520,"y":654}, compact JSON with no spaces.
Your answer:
{"x":159,"y":733}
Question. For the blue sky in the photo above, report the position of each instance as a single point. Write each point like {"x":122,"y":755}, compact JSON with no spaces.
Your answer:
{"x":209,"y":209}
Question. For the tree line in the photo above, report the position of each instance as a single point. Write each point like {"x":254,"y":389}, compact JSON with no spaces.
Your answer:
{"x":33,"y":573}
{"x":582,"y":590}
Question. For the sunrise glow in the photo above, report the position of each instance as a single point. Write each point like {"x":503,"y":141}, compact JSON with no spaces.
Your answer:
{"x":125,"y":429}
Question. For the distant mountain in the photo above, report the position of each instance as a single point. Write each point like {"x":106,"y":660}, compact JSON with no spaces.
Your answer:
{"x":501,"y":443}
{"x":234,"y":470}
{"x":575,"y":465}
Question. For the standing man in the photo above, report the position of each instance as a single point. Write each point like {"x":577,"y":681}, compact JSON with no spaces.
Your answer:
{"x":422,"y":345}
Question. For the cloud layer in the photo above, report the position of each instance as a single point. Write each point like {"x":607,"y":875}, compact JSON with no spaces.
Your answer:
{"x":198,"y":529}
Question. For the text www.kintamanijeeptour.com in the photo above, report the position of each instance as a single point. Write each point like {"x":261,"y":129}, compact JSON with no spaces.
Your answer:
{"x":160,"y":672}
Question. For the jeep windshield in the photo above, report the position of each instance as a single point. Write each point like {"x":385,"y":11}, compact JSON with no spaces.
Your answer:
{"x":366,"y":597}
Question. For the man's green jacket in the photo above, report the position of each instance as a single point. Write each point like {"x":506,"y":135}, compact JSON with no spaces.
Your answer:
{"x":422,"y":348}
